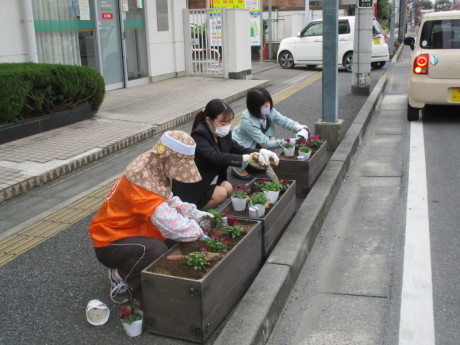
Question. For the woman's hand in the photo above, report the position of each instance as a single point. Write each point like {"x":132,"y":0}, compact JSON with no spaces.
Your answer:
{"x":270,"y":156}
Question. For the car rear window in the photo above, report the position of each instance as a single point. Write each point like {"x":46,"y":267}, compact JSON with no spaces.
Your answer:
{"x":441,"y":34}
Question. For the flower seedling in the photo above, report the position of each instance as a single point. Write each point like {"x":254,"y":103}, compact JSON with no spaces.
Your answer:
{"x":240,"y":192}
{"x":287,"y":144}
{"x":271,"y":185}
{"x":304,"y":148}
{"x":234,"y":231}
{"x":258,"y":198}
{"x":215,"y":245}
{"x":284,"y":184}
{"x":197,"y":260}
{"x":132,"y":312}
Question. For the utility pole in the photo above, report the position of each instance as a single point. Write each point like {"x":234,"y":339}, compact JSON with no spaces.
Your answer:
{"x":329,"y":127}
{"x":392,"y":28}
{"x":402,"y":20}
{"x":270,"y":29}
{"x":307,"y":13}
{"x":362,"y":48}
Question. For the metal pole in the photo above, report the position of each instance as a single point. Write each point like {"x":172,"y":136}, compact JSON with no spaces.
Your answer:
{"x":392,"y":28}
{"x":330,"y":71}
{"x":402,"y":20}
{"x":262,"y":34}
{"x":269,"y":29}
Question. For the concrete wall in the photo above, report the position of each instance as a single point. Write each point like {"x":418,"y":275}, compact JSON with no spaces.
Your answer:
{"x":13,"y":44}
{"x":166,"y":48}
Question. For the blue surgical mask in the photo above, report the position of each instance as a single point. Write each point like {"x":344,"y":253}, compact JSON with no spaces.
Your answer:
{"x":265,"y":111}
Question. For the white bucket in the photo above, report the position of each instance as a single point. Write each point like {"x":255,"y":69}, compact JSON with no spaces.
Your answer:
{"x":97,"y":313}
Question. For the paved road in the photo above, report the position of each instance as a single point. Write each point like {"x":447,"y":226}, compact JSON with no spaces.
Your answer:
{"x":49,"y":285}
{"x":349,"y":291}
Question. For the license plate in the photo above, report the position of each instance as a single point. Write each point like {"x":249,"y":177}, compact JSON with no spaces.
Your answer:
{"x":456,"y":95}
{"x":376,"y":40}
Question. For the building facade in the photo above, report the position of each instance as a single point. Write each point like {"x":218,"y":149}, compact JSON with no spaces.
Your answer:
{"x":131,"y":42}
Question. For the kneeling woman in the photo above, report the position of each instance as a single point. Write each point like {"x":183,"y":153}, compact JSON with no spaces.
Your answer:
{"x":215,"y":152}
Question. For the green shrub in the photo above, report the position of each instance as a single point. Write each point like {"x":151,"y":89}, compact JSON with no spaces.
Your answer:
{"x":31,"y":89}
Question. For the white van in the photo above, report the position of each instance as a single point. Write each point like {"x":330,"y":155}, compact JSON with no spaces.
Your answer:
{"x":307,"y":47}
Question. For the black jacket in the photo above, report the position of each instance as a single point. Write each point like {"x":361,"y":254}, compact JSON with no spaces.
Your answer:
{"x":212,"y":159}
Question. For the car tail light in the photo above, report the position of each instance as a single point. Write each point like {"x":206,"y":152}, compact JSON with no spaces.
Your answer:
{"x":421,"y":64}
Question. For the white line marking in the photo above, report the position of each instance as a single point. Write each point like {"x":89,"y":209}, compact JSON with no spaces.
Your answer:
{"x":416,"y":325}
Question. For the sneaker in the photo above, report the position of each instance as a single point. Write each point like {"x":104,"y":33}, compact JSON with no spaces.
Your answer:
{"x":120,"y":292}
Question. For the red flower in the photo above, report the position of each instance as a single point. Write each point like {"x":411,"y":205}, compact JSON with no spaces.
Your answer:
{"x":287,"y":140}
{"x":214,"y":237}
{"x":224,"y":214}
{"x":203,"y":248}
{"x":224,"y":240}
{"x":232,"y":221}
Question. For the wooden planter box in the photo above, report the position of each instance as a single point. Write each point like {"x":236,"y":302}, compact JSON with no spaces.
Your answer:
{"x":276,"y":218}
{"x":191,"y":309}
{"x":305,"y":173}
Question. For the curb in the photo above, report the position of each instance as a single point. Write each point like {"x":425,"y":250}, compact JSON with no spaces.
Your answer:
{"x":255,"y":316}
{"x":77,"y":163}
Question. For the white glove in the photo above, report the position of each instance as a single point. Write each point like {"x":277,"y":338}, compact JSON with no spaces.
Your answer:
{"x":200,"y":214}
{"x":204,"y":219}
{"x":267,"y":154}
{"x":299,"y":127}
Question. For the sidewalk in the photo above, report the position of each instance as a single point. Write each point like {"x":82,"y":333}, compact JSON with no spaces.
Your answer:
{"x":126,"y":117}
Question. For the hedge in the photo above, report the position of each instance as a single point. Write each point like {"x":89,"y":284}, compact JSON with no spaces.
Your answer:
{"x":34,"y":89}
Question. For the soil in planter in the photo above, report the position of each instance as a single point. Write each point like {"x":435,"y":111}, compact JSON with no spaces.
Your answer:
{"x":179,"y":267}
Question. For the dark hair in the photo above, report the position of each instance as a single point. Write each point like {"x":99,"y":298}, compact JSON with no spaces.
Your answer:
{"x":213,"y":109}
{"x":256,"y":98}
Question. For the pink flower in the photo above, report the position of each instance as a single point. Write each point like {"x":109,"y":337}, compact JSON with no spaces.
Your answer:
{"x":214,"y":237}
{"x":203,"y":248}
{"x":224,"y":240}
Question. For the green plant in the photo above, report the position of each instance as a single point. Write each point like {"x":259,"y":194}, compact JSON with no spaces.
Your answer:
{"x":272,"y":185}
{"x":33,"y":89}
{"x":287,"y":144}
{"x":215,"y":245}
{"x":304,"y":148}
{"x":197,"y":260}
{"x":258,"y":198}
{"x":131,"y":313}
{"x":234,"y":230}
{"x":315,"y":144}
{"x":217,"y":215}
{"x":240,"y":192}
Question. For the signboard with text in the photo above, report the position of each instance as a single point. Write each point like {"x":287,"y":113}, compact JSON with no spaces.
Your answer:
{"x":365,"y":3}
{"x":254,"y":8}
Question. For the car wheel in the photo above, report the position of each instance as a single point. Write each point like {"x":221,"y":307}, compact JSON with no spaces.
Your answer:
{"x":377,"y":65}
{"x":347,"y":61}
{"x":412,"y":113}
{"x":286,"y":60}
{"x":311,"y":66}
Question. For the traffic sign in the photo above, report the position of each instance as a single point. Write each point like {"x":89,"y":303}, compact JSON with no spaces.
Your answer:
{"x":365,"y":3}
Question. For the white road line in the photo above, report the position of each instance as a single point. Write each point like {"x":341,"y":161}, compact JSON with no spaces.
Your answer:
{"x":416,"y":325}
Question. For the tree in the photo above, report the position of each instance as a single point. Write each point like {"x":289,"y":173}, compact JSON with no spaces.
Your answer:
{"x":383,"y":10}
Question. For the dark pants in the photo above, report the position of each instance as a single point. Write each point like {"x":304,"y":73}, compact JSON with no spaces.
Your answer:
{"x":131,"y":255}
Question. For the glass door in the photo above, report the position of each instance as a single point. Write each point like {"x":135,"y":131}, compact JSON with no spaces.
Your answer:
{"x":133,"y":21}
{"x":110,"y":43}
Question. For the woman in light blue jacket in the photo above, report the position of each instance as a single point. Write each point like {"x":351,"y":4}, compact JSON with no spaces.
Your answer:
{"x":257,"y":126}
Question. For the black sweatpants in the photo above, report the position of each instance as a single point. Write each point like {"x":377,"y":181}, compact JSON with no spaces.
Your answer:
{"x":131,"y":255}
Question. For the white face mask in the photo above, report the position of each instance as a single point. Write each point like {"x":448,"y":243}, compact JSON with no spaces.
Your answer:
{"x":222,"y":131}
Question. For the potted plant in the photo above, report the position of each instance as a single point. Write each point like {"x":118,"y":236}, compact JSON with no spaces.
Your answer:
{"x":131,"y":318}
{"x":258,"y":200}
{"x":288,"y":147}
{"x":239,"y":197}
{"x":272,"y":189}
{"x":304,"y":152}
